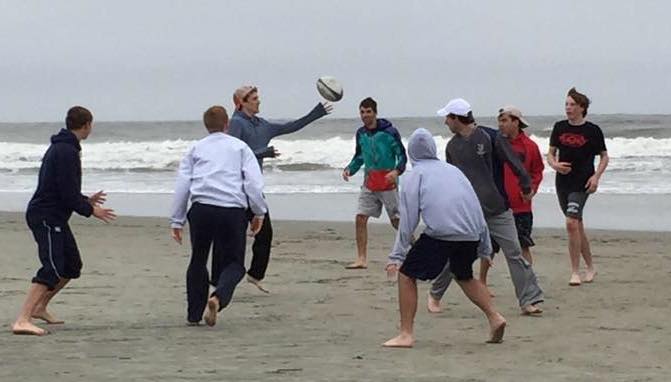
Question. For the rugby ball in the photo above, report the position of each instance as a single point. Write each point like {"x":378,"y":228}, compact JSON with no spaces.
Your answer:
{"x":329,"y":88}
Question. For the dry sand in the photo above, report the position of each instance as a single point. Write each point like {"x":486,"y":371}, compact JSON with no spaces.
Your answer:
{"x":125,"y":318}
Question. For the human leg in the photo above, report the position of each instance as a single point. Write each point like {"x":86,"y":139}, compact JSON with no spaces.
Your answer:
{"x":202,"y":234}
{"x":503,"y":231}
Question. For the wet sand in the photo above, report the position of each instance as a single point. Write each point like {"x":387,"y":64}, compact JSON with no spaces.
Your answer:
{"x":125,"y":318}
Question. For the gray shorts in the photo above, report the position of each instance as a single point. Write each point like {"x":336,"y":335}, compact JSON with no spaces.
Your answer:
{"x":371,"y":202}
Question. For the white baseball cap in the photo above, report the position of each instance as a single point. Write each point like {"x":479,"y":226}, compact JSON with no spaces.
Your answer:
{"x":515,"y":112}
{"x":457,"y":106}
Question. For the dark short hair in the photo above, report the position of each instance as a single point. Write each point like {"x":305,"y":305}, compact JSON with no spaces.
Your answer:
{"x":77,"y":118}
{"x":368,"y":103}
{"x":467,"y":120}
{"x":580,"y":99}
{"x":215,"y":118}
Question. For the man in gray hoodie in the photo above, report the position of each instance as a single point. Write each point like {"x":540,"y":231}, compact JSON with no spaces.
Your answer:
{"x":456,"y":233}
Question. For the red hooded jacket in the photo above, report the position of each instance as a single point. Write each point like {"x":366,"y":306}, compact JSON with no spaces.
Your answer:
{"x":530,"y":155}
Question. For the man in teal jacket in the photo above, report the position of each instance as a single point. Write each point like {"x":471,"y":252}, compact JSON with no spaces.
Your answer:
{"x":380,"y":150}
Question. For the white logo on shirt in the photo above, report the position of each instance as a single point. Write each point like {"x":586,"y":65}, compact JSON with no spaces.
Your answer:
{"x":480,"y":149}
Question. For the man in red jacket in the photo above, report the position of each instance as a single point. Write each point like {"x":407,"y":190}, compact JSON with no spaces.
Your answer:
{"x":511,"y":125}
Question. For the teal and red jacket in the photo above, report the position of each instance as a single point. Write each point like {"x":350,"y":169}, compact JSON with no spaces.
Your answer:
{"x":379,"y":150}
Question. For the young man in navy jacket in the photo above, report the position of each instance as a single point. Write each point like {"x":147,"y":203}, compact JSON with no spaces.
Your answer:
{"x":58,"y":194}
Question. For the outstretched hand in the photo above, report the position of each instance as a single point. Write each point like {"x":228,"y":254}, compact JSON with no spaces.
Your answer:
{"x":98,"y":199}
{"x":104,"y":214}
{"x":328,"y":106}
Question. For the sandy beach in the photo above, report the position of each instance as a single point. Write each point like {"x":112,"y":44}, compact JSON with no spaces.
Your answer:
{"x":125,"y":318}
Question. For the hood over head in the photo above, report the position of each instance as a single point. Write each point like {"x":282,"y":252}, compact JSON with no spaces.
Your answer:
{"x":422,"y":146}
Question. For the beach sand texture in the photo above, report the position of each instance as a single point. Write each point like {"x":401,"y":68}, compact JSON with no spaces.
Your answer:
{"x":125,"y":318}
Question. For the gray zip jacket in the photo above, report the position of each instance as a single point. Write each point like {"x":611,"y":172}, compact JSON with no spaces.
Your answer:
{"x":481,"y":156}
{"x":441,"y":196}
{"x":257,"y":132}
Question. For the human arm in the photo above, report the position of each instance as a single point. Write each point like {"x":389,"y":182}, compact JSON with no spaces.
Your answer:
{"x":600,"y":149}
{"x":409,"y":201}
{"x":253,"y":183}
{"x":400,"y":157}
{"x":507,"y":154}
{"x":68,"y":181}
{"x":320,"y":110}
{"x":561,"y":167}
{"x":536,"y":169}
{"x":553,"y":160}
{"x":484,"y":242}
{"x":593,"y":182}
{"x":182,"y":193}
{"x":356,"y":162}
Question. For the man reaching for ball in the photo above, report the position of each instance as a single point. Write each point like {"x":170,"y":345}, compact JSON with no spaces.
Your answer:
{"x":257,"y":133}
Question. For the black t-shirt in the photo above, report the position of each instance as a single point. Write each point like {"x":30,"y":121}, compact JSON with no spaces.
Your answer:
{"x":577,"y":145}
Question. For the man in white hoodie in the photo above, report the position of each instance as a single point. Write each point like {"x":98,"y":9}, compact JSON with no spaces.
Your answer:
{"x":222,"y":178}
{"x":456,"y":233}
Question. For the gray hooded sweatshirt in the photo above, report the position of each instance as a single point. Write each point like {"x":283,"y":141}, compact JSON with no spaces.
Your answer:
{"x":442,"y":196}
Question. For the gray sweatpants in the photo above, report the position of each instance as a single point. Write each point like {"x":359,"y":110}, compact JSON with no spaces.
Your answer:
{"x":502,"y":229}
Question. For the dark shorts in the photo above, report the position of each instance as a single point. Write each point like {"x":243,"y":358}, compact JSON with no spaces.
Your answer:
{"x":524,"y":223}
{"x":428,"y":256}
{"x":57,"y":251}
{"x":572,"y":203}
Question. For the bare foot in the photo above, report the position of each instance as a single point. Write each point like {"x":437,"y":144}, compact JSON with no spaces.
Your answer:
{"x":403,"y":340}
{"x":433,"y":305}
{"x":532,"y":310}
{"x":589,"y":276}
{"x":28,"y":328}
{"x":257,"y":283}
{"x":357,"y":265}
{"x":575,"y":279}
{"x":47,"y":317}
{"x":496,"y":329}
{"x":212,"y":310}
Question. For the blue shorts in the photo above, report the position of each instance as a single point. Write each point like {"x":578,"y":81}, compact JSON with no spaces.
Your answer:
{"x":57,"y":251}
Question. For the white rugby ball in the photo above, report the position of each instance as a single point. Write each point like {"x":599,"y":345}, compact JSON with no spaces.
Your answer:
{"x":329,"y":88}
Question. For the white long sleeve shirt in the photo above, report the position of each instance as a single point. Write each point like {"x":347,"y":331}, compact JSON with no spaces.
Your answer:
{"x":218,"y":170}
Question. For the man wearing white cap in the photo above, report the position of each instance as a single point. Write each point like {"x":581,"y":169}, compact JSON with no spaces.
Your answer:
{"x":480,"y":152}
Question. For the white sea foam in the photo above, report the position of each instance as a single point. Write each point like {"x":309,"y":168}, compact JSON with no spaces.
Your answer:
{"x":638,"y":165}
{"x":332,"y":152}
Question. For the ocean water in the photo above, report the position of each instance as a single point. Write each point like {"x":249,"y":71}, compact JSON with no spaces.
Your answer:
{"x":141,"y":157}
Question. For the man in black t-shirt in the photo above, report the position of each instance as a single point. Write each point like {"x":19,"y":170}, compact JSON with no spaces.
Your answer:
{"x":573,"y":145}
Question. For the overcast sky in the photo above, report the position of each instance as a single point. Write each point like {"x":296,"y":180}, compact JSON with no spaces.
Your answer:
{"x":169,"y":60}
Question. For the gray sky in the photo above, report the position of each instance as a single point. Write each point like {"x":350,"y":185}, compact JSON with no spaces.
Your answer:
{"x":166,"y":60}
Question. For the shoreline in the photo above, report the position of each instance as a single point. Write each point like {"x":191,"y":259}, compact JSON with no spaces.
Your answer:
{"x":623,"y":212}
